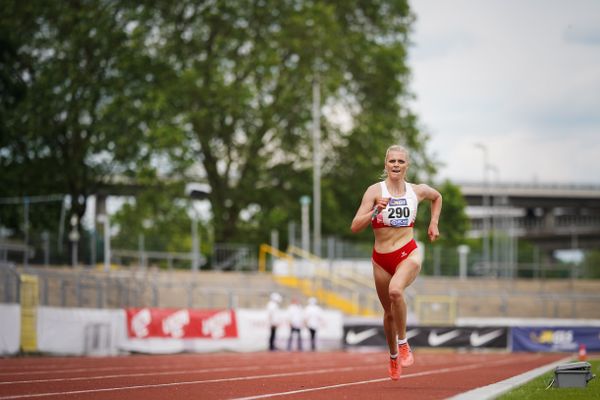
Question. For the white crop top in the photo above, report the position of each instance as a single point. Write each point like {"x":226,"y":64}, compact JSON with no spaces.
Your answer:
{"x":400,"y":212}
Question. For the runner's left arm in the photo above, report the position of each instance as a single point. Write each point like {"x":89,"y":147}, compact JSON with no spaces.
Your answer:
{"x":426,"y":192}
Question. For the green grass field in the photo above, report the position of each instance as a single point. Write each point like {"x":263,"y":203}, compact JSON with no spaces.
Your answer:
{"x":536,"y":389}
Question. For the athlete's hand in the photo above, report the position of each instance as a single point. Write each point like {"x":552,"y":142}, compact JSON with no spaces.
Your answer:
{"x":433,"y":231}
{"x":381,"y":203}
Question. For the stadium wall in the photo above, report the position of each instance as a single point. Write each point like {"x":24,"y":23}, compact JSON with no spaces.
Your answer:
{"x":100,"y":332}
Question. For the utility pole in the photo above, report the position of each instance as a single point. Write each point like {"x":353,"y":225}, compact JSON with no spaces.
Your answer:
{"x":316,"y":130}
{"x":496,"y":222}
{"x":74,"y":238}
{"x":486,"y":200}
{"x":305,"y":203}
{"x":105,"y":220}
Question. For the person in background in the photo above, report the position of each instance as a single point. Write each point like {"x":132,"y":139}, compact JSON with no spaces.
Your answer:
{"x":390,"y":207}
{"x":296,"y":320}
{"x":273,"y":316}
{"x":313,"y":318}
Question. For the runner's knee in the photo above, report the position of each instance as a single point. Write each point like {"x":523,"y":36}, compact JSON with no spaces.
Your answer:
{"x":396,"y":294}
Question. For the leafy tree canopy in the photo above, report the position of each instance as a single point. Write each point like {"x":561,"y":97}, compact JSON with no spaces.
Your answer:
{"x":217,"y":91}
{"x":77,"y":111}
{"x":240,"y":94}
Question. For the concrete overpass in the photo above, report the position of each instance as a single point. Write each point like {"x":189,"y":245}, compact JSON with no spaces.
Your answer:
{"x":553,"y":216}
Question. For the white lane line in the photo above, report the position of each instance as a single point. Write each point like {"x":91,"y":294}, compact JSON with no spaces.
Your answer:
{"x":496,"y":389}
{"x":184,"y":383}
{"x":415,"y":375}
{"x":173,"y":360}
{"x":68,"y":370}
{"x":166,"y":373}
{"x":88,"y":378}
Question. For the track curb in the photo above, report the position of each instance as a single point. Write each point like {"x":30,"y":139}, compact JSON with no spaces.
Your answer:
{"x":496,"y":389}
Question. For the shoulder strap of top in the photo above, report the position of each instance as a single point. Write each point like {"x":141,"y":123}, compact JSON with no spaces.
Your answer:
{"x":384,"y":190}
{"x":409,"y":190}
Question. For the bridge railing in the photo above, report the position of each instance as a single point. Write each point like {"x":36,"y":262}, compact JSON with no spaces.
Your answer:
{"x":523,"y":224}
{"x":551,"y":186}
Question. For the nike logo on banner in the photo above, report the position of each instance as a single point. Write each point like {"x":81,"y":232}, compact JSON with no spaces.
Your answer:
{"x":478,"y":340}
{"x":435,"y":340}
{"x":412,"y":333}
{"x":355,"y":338}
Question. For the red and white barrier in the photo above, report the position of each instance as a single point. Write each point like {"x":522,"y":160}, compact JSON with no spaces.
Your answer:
{"x":241,"y":330}
{"x":77,"y":331}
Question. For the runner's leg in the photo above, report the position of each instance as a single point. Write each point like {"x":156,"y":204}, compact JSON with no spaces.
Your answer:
{"x":406,"y":273}
{"x":382,"y":283}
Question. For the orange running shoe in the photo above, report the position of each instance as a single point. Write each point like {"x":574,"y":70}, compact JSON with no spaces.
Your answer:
{"x":395,"y":369}
{"x":406,"y":356}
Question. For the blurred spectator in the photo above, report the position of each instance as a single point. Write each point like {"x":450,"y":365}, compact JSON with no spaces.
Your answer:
{"x":273,"y":315}
{"x":312,"y":317}
{"x":296,"y":320}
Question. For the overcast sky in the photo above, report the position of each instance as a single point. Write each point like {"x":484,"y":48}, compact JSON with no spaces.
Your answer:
{"x":521,"y":77}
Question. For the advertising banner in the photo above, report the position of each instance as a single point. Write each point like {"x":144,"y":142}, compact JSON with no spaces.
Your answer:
{"x":555,"y":338}
{"x":429,"y":336}
{"x":253,"y":332}
{"x":364,"y":335}
{"x":465,"y":337}
{"x":181,"y":323}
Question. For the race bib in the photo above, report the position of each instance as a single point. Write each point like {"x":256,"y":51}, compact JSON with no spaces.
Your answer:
{"x":397,"y":213}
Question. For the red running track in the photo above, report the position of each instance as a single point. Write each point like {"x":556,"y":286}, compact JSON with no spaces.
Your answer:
{"x":321,"y":375}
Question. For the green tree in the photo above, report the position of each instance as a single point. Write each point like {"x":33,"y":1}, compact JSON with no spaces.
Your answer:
{"x":164,"y":222}
{"x":240,"y":93}
{"x":13,"y":91}
{"x":221,"y":91}
{"x":79,"y":94}
{"x":453,"y":223}
{"x":453,"y":226}
{"x":591,"y":264}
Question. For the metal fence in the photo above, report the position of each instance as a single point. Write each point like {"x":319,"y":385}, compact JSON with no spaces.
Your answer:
{"x":223,"y":257}
{"x":234,"y":257}
{"x":9,"y":289}
{"x":117,"y":289}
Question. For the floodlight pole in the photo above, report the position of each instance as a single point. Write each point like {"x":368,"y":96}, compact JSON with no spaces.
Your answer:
{"x":486,"y":199}
{"x":496,"y":221}
{"x":26,"y":227}
{"x":463,"y":252}
{"x":74,"y":238}
{"x":316,"y":133}
{"x":104,"y":219}
{"x":196,"y":191}
{"x":195,"y":243}
{"x":305,"y":203}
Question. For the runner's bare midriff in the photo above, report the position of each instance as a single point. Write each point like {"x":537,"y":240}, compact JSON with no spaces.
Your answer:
{"x":390,"y":239}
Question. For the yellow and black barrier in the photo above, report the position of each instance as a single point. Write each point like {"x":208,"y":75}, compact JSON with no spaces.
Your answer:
{"x":29,"y":298}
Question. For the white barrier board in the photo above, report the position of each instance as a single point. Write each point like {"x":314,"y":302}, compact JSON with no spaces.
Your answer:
{"x":77,"y":331}
{"x":10,"y":328}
